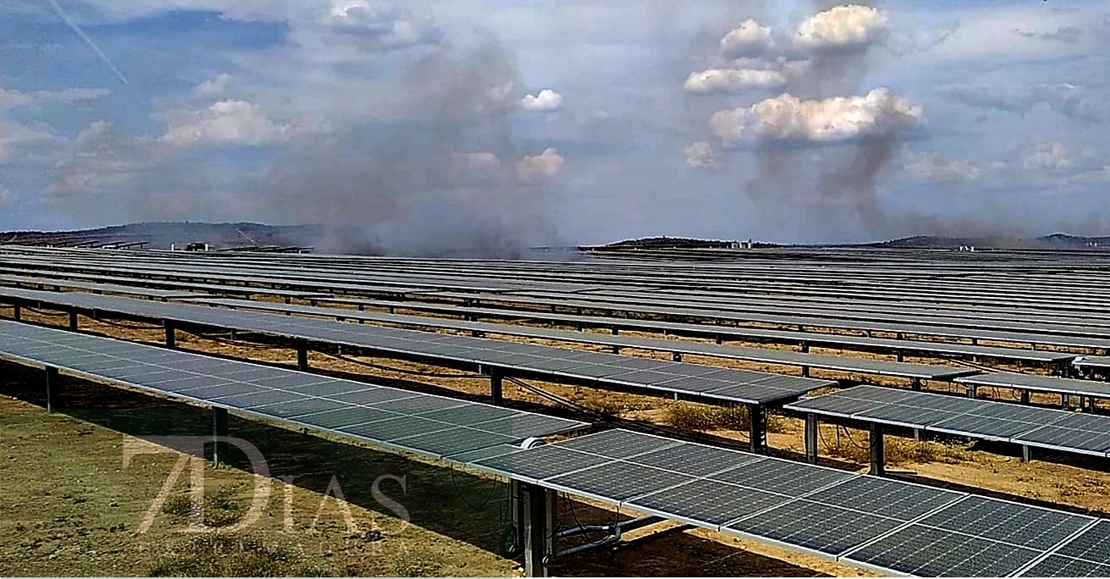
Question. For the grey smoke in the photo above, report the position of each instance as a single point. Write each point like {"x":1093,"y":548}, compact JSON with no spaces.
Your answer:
{"x":401,"y":185}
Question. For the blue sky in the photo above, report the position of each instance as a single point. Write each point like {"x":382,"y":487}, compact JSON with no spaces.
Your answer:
{"x":729,"y":119}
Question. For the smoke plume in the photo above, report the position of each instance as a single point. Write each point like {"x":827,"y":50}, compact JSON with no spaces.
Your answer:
{"x":457,"y":183}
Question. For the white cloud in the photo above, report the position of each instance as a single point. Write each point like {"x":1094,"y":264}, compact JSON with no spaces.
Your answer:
{"x":928,"y":166}
{"x":1052,"y":156}
{"x":703,"y":155}
{"x":12,"y":99}
{"x":545,"y":100}
{"x":213,"y":87}
{"x":786,"y":117}
{"x":228,"y":122}
{"x":748,"y":38}
{"x":842,"y":27}
{"x":6,"y":196}
{"x":539,"y":168}
{"x":472,"y":166}
{"x":717,"y":80}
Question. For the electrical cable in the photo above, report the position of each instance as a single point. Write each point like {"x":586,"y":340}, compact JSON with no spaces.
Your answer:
{"x":402,"y":370}
{"x":852,"y":440}
{"x":42,"y":313}
{"x":485,"y":502}
{"x":128,"y":326}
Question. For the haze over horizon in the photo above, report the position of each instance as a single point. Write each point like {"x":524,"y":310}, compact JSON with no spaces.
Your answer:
{"x":495,"y":124}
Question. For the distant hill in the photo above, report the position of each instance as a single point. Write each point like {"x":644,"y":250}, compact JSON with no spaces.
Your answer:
{"x":160,"y":235}
{"x":1053,"y":241}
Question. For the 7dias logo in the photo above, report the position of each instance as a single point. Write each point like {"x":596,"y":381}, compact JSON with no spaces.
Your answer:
{"x":190,"y":451}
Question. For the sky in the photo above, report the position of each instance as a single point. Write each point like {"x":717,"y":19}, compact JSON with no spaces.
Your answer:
{"x":501,"y":123}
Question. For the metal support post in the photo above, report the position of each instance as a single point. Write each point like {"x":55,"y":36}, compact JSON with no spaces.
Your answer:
{"x":1026,"y":453}
{"x":719,"y":340}
{"x":616,"y":349}
{"x":1065,"y":401}
{"x":52,"y":386}
{"x":811,"y":437}
{"x":1025,"y":397}
{"x":805,"y":348}
{"x":219,"y":434}
{"x":757,"y":428}
{"x":877,"y":455}
{"x":972,"y":391}
{"x":302,"y":355}
{"x":288,"y":300}
{"x":676,"y":356}
{"x":495,"y":386}
{"x":535,"y":531}
{"x":171,"y":334}
{"x":73,"y":321}
{"x":616,"y":331}
{"x":916,"y":384}
{"x":805,"y":371}
{"x":16,"y":312}
{"x":901,"y":356}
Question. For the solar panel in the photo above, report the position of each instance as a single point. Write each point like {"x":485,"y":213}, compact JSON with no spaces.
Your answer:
{"x":618,"y":480}
{"x":618,"y":444}
{"x":395,"y":428}
{"x":823,"y":528}
{"x":886,"y":498}
{"x":1057,"y":566}
{"x":781,"y":476}
{"x":1092,"y":545}
{"x":453,"y":441}
{"x":257,"y":397}
{"x":929,"y":552}
{"x":693,"y":459}
{"x":295,"y":408}
{"x":708,"y":501}
{"x":535,"y":425}
{"x":372,"y":396}
{"x":347,"y":416}
{"x":541,"y":463}
{"x":466,"y":415}
{"x":983,"y":427}
{"x":1007,"y":522}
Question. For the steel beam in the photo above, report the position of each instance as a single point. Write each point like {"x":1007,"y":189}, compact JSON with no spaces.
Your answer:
{"x":53,"y":384}
{"x":171,"y":334}
{"x":219,"y":435}
{"x":878,"y":467}
{"x":302,"y":356}
{"x":811,"y":437}
{"x":535,"y":530}
{"x":495,"y":387}
{"x":757,"y":428}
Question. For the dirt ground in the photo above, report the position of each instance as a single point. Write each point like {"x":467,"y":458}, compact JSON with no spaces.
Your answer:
{"x":53,"y":461}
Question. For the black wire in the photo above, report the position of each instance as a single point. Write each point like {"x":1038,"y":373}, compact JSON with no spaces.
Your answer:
{"x":852,"y":440}
{"x":42,"y":313}
{"x":130,"y":327}
{"x":458,"y":491}
{"x":403,"y":371}
{"x":238,"y":343}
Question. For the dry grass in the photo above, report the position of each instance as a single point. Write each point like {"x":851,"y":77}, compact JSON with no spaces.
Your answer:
{"x":692,"y":417}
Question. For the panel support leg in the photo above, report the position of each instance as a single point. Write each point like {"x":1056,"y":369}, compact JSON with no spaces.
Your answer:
{"x":901,"y":355}
{"x":805,"y":348}
{"x":757,"y":428}
{"x":916,"y":384}
{"x":73,"y":321}
{"x":878,"y":468}
{"x":302,"y":356}
{"x":171,"y":334}
{"x":676,"y":356}
{"x":495,"y":387}
{"x":616,"y":331}
{"x":219,"y":434}
{"x":811,"y":437}
{"x":16,"y":312}
{"x":616,"y":349}
{"x":719,"y":340}
{"x":1026,"y":454}
{"x":972,"y":391}
{"x":52,"y":387}
{"x":1025,"y":397}
{"x":535,"y":530}
{"x":805,"y":371}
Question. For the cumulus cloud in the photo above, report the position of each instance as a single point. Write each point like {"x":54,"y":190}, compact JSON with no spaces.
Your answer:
{"x":545,"y":100}
{"x":717,"y":80}
{"x":703,"y":155}
{"x":539,"y":168}
{"x":12,"y":99}
{"x":1051,"y":156}
{"x":379,"y":25}
{"x":228,"y":122}
{"x":844,"y":27}
{"x":213,"y":87}
{"x":930,"y":167}
{"x":746,"y":39}
{"x":787,"y":117}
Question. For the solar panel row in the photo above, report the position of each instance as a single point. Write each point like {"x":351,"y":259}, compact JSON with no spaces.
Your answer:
{"x":739,"y":386}
{"x":890,"y":525}
{"x":413,"y":421}
{"x":983,"y":419}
